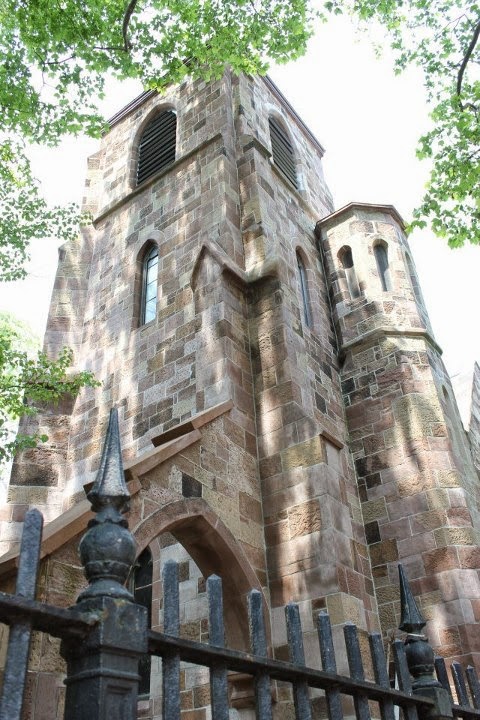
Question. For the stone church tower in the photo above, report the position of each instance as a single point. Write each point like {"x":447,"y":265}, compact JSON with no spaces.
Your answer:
{"x":286,"y":418}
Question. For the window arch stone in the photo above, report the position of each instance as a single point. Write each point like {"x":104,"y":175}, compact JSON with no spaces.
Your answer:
{"x":214,"y":550}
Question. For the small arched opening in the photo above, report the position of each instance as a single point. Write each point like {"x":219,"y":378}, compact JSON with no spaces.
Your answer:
{"x":345,"y":257}
{"x":380,"y":250}
{"x":214,"y":550}
{"x":304,"y":291}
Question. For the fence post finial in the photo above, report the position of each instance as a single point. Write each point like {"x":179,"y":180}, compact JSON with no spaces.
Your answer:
{"x":107,"y":550}
{"x":411,"y":620}
{"x":420,"y":655}
{"x":102,"y":671}
{"x":109,"y":488}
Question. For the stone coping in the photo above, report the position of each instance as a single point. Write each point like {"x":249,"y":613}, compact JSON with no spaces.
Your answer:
{"x":64,"y":527}
{"x":59,"y":531}
{"x":389,"y":331}
{"x":351,"y":207}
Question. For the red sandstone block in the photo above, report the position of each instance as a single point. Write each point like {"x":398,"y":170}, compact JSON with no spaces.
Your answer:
{"x":469,"y":557}
{"x":459,"y":517}
{"x":46,"y":696}
{"x":198,"y":714}
{"x":425,"y":584}
{"x":277,"y":533}
{"x":417,"y":544}
{"x":470,"y":637}
{"x":430,"y":520}
{"x":383,"y":552}
{"x":445,"y":558}
{"x":406,"y":507}
{"x":355,"y":583}
{"x":397,"y":529}
{"x":476,"y":609}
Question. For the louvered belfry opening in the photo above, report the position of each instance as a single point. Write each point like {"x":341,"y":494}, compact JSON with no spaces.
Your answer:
{"x":157,"y":145}
{"x":282,"y":151}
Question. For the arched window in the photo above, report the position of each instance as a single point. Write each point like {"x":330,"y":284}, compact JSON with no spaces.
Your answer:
{"x":346,"y":260}
{"x":414,"y":280}
{"x":157,"y":145}
{"x":282,"y":151}
{"x":457,"y":435}
{"x":380,"y":251}
{"x":149,"y":285}
{"x":302,"y":276}
{"x":142,"y":592}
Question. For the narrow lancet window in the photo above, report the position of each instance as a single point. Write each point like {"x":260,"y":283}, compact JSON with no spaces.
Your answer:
{"x":302,"y":276}
{"x":381,"y":256}
{"x":150,"y":285}
{"x":142,"y":591}
{"x":414,"y":280}
{"x":346,"y":260}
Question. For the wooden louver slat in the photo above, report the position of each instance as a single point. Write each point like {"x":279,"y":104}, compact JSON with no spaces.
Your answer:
{"x":157,"y":145}
{"x":282,"y":152}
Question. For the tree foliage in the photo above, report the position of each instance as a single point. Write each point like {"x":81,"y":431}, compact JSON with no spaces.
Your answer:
{"x":28,"y":380}
{"x":57,"y":56}
{"x":442,"y":38}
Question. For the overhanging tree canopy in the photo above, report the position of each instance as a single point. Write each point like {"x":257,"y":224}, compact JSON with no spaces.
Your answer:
{"x":58,"y":55}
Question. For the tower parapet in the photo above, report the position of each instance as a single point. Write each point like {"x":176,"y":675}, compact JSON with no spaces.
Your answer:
{"x":373,"y":283}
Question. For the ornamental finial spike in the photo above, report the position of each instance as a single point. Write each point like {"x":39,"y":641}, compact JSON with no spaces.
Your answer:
{"x":411,"y":621}
{"x":107,"y":550}
{"x":109,"y":487}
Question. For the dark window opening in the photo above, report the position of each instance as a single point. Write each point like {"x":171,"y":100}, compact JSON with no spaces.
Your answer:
{"x":157,"y":145}
{"x":381,"y":257}
{"x":414,"y":281}
{"x":346,"y":260}
{"x":302,"y":274}
{"x":282,"y":152}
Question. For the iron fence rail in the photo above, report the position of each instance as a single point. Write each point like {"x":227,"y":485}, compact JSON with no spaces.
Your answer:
{"x":105,"y":634}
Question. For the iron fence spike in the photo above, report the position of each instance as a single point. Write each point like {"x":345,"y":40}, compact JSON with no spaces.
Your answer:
{"x":109,"y":486}
{"x":412,"y":620}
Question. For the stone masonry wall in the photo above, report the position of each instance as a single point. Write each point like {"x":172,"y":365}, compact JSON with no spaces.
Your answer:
{"x":474,"y":430}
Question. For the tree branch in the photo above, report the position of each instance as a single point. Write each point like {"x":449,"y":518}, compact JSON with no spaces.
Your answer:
{"x":466,"y":58}
{"x":127,"y":45}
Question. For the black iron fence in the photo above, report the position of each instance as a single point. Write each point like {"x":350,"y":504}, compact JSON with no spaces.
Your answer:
{"x":106,"y":633}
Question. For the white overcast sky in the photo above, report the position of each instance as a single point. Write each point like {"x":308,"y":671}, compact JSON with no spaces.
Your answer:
{"x":368,"y":120}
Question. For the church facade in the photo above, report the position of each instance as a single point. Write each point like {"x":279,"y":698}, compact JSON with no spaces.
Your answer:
{"x":286,"y":418}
